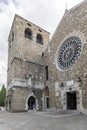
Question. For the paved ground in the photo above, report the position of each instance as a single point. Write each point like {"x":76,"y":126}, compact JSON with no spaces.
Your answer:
{"x":42,"y":121}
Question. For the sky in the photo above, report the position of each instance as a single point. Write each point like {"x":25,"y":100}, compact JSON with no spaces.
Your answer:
{"x":44,"y":13}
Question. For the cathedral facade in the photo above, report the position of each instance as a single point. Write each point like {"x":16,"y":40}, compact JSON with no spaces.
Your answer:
{"x":45,"y":75}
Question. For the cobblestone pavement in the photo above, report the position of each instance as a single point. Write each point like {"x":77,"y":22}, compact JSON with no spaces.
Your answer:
{"x":42,"y":121}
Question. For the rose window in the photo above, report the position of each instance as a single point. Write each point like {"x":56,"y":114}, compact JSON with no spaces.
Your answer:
{"x":69,"y":53}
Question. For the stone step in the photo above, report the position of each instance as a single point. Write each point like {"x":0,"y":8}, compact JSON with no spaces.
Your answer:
{"x":68,"y":111}
{"x":61,"y":112}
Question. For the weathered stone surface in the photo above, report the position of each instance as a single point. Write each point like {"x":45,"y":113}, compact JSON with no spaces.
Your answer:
{"x":25,"y":64}
{"x":25,"y":59}
{"x":73,"y":23}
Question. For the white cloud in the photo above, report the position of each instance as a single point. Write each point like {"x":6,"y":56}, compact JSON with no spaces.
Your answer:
{"x":46,"y":13}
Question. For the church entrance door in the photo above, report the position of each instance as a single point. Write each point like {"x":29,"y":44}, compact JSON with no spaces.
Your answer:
{"x":71,"y":101}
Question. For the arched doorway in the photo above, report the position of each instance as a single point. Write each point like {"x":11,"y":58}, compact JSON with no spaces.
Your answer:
{"x":47,"y":98}
{"x":31,"y":103}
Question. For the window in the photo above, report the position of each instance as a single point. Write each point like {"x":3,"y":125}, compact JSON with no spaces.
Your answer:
{"x":39,"y":39}
{"x":69,"y":53}
{"x":28,"y":33}
{"x":28,"y":24}
{"x":40,"y":30}
{"x":12,"y":36}
{"x":46,"y":70}
{"x":10,"y":44}
{"x":21,"y":55}
{"x":42,"y":54}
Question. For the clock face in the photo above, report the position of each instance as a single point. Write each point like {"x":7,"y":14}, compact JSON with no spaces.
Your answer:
{"x":69,"y":53}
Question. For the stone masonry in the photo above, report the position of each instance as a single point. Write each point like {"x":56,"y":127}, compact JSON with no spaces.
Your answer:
{"x":67,"y":88}
{"x":25,"y":58}
{"x":73,"y":23}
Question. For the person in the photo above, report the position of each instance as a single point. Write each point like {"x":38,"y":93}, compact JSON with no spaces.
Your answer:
{"x":34,"y":107}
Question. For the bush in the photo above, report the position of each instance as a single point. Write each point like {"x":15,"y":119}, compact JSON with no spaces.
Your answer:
{"x":2,"y":96}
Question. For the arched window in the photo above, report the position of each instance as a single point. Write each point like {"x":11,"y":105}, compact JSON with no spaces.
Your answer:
{"x":28,"y":33}
{"x":39,"y":39}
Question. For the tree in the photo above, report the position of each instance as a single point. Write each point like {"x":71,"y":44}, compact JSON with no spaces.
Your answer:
{"x":2,"y":96}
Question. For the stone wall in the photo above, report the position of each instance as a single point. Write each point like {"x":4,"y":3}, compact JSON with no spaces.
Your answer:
{"x":73,"y":23}
{"x":25,"y":58}
{"x":30,"y":48}
{"x":24,"y":48}
{"x":23,"y":68}
{"x":18,"y":97}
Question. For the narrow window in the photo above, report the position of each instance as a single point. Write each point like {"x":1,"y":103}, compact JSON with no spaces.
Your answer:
{"x":39,"y":39}
{"x":10,"y":44}
{"x":12,"y":36}
{"x":46,"y":70}
{"x":42,"y":54}
{"x":28,"y":24}
{"x":28,"y":33}
{"x":21,"y":55}
{"x":40,"y":30}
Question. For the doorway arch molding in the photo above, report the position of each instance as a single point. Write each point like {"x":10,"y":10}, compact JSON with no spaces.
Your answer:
{"x":30,"y":95}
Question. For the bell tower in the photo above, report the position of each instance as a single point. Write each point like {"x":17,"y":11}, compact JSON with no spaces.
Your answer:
{"x":26,"y":45}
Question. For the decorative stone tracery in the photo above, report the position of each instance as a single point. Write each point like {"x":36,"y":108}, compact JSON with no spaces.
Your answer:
{"x":69,"y":53}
